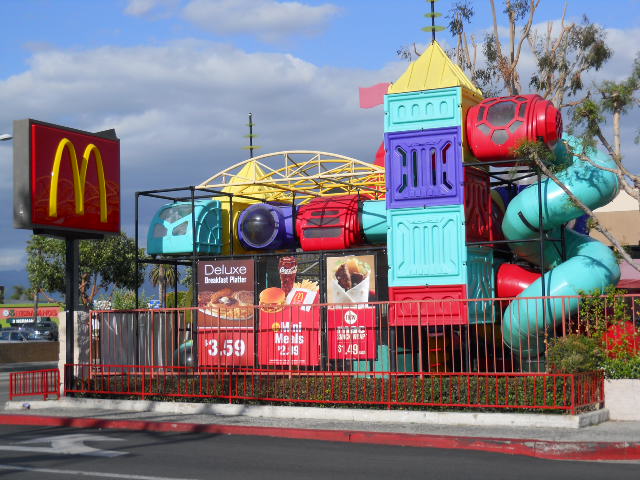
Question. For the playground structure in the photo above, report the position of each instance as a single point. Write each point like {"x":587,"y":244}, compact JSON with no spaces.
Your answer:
{"x":440,"y":261}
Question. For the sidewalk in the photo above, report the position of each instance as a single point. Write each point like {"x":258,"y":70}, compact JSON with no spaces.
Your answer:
{"x":502,"y":433}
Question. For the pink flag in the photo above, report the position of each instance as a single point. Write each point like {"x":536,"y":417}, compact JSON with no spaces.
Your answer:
{"x":380,"y":154}
{"x":373,"y":96}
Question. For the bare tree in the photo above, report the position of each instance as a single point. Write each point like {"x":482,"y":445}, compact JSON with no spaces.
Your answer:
{"x":564,"y":56}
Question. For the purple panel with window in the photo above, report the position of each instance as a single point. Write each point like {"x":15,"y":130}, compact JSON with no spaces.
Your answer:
{"x":424,"y":168}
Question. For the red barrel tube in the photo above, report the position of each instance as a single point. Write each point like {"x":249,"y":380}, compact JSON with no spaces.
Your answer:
{"x":497,"y":126}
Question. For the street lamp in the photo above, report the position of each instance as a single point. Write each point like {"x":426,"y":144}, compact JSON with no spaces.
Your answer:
{"x":5,"y":136}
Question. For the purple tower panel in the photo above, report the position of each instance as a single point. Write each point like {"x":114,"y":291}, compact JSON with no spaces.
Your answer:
{"x":424,"y":168}
{"x":265,"y":226}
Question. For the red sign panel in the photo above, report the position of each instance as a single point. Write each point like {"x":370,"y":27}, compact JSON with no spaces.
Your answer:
{"x":352,"y":333}
{"x":73,"y":178}
{"x":290,"y":336}
{"x":228,"y":348}
{"x":13,"y":312}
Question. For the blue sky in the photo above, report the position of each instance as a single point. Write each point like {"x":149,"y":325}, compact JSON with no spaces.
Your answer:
{"x":176,"y":78}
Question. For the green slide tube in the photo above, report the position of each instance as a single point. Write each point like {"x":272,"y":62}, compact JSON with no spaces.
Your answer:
{"x":589,"y":263}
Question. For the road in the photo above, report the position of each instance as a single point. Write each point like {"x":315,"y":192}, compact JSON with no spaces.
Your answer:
{"x":45,"y":452}
{"x":4,"y":388}
{"x":4,"y":377}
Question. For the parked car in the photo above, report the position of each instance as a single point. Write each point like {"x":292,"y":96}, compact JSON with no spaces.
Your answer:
{"x":41,"y":330}
{"x":8,"y":335}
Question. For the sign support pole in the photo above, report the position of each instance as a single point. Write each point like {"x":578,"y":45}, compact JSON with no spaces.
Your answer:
{"x":72,"y":269}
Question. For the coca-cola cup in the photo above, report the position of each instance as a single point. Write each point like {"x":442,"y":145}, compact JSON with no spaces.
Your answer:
{"x":287,"y":267}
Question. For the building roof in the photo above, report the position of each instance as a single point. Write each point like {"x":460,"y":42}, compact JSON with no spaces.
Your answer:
{"x":622,"y":203}
{"x":433,"y":69}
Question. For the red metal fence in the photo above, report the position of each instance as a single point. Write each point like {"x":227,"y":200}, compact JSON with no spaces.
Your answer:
{"x":531,"y":391}
{"x":464,"y":353}
{"x":32,"y":383}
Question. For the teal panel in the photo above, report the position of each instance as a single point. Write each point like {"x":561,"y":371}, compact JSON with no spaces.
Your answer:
{"x":374,"y":221}
{"x":427,"y":246}
{"x":381,"y":364}
{"x":481,"y":284}
{"x":437,"y":108}
{"x":170,"y":231}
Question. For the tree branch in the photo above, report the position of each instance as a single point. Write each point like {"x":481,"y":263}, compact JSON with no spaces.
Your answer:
{"x":614,"y":241}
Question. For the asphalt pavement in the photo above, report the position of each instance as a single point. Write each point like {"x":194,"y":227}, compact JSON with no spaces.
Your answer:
{"x":29,"y":452}
{"x":607,"y":441}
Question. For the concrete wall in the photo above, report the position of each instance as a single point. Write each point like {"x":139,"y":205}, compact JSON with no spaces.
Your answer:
{"x":621,"y":398}
{"x":21,"y":352}
{"x":81,"y":334}
{"x":625,"y":226}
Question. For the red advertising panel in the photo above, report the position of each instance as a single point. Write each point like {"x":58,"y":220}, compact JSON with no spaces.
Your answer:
{"x":352,"y":333}
{"x":226,"y":294}
{"x":290,"y":336}
{"x":27,"y":312}
{"x":289,"y":319}
{"x":227,"y":348}
{"x":72,"y":178}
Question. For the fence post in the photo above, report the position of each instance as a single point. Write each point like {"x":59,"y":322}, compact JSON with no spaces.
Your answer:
{"x":44,"y":384}
{"x":573,"y":394}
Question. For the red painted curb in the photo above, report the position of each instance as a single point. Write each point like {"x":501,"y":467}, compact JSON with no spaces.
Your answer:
{"x":592,"y":451}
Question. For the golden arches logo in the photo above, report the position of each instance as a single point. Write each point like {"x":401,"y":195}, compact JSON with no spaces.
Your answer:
{"x":79,"y":177}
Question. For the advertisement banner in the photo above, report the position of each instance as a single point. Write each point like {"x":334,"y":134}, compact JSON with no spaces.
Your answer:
{"x":226,"y":348}
{"x":351,"y":279}
{"x":27,"y":312}
{"x":352,"y":333}
{"x":289,"y":319}
{"x":226,"y":294}
{"x":290,"y":336}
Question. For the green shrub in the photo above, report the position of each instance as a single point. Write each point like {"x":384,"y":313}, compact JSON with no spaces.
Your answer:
{"x":615,"y":368}
{"x":599,"y":309}
{"x":574,"y":354}
{"x":125,"y":299}
{"x":428,"y":392}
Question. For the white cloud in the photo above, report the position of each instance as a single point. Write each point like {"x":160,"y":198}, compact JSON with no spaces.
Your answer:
{"x":12,"y":258}
{"x":180,"y":109}
{"x":270,"y":20}
{"x":144,"y":7}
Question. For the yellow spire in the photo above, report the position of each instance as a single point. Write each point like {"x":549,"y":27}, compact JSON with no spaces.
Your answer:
{"x":250,"y":172}
{"x":433,"y":69}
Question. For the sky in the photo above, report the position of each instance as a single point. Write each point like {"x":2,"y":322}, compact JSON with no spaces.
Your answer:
{"x":177,"y":78}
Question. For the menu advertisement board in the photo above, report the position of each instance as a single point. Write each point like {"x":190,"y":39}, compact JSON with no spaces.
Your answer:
{"x":289,"y":332}
{"x":225,"y":313}
{"x":226,"y":294}
{"x":290,"y":337}
{"x":230,"y":348}
{"x":351,"y":279}
{"x":352,"y":333}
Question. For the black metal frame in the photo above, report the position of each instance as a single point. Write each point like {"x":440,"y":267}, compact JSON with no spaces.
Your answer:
{"x":523,"y":170}
{"x":523,"y":167}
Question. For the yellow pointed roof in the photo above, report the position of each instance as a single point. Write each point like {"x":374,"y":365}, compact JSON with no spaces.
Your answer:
{"x":250,"y":172}
{"x":433,"y":69}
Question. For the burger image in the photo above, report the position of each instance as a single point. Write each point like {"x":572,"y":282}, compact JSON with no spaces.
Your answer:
{"x":272,"y":300}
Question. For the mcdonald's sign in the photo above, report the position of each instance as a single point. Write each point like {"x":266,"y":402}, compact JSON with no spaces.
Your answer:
{"x":65,"y":180}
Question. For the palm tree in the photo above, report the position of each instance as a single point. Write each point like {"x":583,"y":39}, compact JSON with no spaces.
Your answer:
{"x":162,"y":275}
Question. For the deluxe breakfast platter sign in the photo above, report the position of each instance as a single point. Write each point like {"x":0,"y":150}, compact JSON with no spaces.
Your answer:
{"x":225,"y":313}
{"x":226,"y":294}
